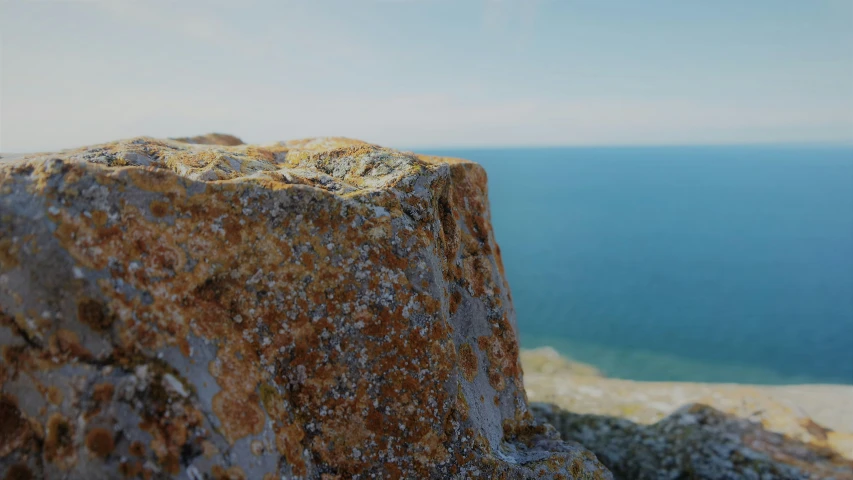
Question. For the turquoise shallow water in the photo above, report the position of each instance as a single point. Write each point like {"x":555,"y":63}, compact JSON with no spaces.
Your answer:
{"x":717,"y":264}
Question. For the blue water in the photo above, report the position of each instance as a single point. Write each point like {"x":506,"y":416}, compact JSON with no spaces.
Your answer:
{"x":717,"y":264}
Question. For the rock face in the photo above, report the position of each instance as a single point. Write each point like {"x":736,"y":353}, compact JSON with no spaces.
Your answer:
{"x":311,"y":309}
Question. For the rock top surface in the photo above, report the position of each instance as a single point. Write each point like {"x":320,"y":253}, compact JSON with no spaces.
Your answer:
{"x":321,"y":308}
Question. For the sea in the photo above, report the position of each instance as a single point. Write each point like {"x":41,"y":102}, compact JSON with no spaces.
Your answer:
{"x":704,"y":264}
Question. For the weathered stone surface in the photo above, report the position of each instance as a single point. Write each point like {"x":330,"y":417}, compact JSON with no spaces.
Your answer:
{"x":318,"y":309}
{"x":650,"y":430}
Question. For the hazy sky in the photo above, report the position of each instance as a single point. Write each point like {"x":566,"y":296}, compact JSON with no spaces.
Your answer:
{"x":428,"y":73}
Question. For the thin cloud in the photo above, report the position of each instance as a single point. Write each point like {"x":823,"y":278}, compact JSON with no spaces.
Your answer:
{"x":174,"y":17}
{"x":387,"y":76}
{"x":263,"y":113}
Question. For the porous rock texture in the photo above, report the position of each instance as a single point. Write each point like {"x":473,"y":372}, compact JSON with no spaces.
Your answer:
{"x":322,"y":308}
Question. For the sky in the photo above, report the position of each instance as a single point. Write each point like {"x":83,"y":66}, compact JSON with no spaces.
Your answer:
{"x":425,"y":73}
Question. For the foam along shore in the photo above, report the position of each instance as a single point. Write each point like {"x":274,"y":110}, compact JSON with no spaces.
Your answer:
{"x":594,"y":410}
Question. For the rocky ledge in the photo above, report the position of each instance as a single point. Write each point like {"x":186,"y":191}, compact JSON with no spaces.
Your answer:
{"x":674,"y":430}
{"x":320,"y":308}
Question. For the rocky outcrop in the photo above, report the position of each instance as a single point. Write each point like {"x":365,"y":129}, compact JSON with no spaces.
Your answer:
{"x":312,"y":309}
{"x":697,"y":441}
{"x":651,"y":430}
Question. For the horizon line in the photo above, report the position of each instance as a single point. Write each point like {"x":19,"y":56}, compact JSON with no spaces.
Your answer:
{"x":792,"y":144}
{"x":833,"y":144}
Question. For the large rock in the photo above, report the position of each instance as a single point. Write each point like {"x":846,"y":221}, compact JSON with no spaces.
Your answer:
{"x":316,"y":309}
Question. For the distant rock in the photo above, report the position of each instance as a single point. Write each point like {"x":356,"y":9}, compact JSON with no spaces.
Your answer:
{"x":651,"y":430}
{"x":212,"y":139}
{"x":697,"y":441}
{"x":322,"y":308}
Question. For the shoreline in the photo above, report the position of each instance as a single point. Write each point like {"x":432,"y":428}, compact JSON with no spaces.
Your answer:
{"x":652,"y":366}
{"x":554,"y":361}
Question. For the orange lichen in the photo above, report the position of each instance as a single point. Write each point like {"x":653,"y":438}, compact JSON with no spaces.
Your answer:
{"x":462,"y":407}
{"x":19,"y":471}
{"x":14,"y":429}
{"x":136,"y":448}
{"x":239,"y":418}
{"x":100,"y":442}
{"x":288,"y":441}
{"x":468,"y":362}
{"x":9,"y":253}
{"x":59,"y":441}
{"x":103,"y":393}
{"x":54,"y":395}
{"x":94,"y":314}
{"x":99,"y":218}
{"x":159,"y":208}
{"x":66,"y":344}
{"x":130,"y":469}
{"x":455,"y":301}
{"x":231,"y":473}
